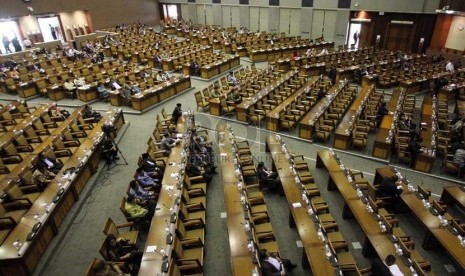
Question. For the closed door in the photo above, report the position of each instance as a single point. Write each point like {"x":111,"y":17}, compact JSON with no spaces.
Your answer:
{"x":264,"y":19}
{"x":201,"y":14}
{"x":258,"y":19}
{"x":226,"y":14}
{"x":399,"y":37}
{"x":324,"y":24}
{"x":209,"y":15}
{"x":230,"y":16}
{"x":254,"y":18}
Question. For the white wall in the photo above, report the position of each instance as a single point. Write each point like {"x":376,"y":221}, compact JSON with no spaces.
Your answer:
{"x":456,"y":38}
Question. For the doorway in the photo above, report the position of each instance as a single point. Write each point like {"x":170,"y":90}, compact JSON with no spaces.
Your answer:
{"x":8,"y":31}
{"x":354,"y":35}
{"x":51,"y":28}
{"x":171,"y":12}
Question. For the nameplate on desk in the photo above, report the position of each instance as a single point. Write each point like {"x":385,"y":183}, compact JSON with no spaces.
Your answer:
{"x":296,"y":205}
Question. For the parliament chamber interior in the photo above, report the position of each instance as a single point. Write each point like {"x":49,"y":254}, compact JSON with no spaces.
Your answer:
{"x":327,"y":137}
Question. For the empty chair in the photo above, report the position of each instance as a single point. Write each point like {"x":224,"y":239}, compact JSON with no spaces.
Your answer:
{"x":132,"y":236}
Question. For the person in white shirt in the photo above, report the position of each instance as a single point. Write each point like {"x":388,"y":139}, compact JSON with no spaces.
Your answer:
{"x":450,"y":66}
{"x":324,"y":51}
{"x":27,"y":43}
{"x":232,"y":79}
{"x":272,"y":264}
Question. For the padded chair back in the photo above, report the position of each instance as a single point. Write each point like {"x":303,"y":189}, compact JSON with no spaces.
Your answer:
{"x":103,"y":251}
{"x":110,"y":228}
{"x":26,"y":175}
{"x":14,"y":192}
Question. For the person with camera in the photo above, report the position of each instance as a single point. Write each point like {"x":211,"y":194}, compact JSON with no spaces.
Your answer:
{"x":109,"y":150}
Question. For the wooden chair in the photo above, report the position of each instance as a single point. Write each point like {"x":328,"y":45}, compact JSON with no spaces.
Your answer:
{"x":449,"y":166}
{"x":24,"y":195}
{"x":191,"y":233}
{"x":201,"y":103}
{"x":132,"y":236}
{"x":184,"y":256}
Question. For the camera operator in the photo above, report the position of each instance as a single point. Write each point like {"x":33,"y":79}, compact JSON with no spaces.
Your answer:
{"x":109,"y":150}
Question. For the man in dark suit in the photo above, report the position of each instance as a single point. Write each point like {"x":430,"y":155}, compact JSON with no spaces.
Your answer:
{"x":386,"y":268}
{"x":273,"y":265}
{"x":177,"y":113}
{"x":269,"y":178}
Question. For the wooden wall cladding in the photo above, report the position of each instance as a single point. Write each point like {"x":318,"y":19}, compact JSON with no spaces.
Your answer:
{"x":422,"y":27}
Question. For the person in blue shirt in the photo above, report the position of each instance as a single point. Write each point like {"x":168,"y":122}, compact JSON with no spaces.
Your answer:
{"x":145,"y":180}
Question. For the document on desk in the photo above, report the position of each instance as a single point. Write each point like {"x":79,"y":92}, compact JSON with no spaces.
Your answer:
{"x":296,"y":205}
{"x":151,"y":248}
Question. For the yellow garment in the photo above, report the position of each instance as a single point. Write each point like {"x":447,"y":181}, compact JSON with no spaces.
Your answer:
{"x":134,"y":210}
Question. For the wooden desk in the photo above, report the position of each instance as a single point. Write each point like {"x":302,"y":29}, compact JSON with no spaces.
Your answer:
{"x":376,"y":242}
{"x":152,"y":261}
{"x":241,"y":257}
{"x":383,"y":144}
{"x":273,"y":117}
{"x":307,"y":124}
{"x":424,"y":161}
{"x":242,"y":109}
{"x":23,"y":262}
{"x":26,"y":89}
{"x":435,"y":235}
{"x":454,"y":195}
{"x":158,"y":93}
{"x":314,"y":249}
{"x":87,"y":93}
{"x":343,"y":132}
{"x":56,"y":92}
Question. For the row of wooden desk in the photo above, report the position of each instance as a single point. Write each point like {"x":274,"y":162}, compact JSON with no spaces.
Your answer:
{"x":376,"y":242}
{"x":273,"y":117}
{"x":210,"y":70}
{"x":241,"y":257}
{"x":383,"y":142}
{"x":23,"y":260}
{"x":262,"y":54}
{"x":428,"y":132}
{"x":242,"y":109}
{"x":343,"y":132}
{"x":307,"y":124}
{"x":435,"y":234}
{"x":314,"y":253}
{"x":156,"y":249}
{"x":153,"y":95}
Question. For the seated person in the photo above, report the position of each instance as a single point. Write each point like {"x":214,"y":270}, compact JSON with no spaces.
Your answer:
{"x":268,"y":178}
{"x":69,"y":86}
{"x":161,"y":76}
{"x":50,"y":163}
{"x":42,"y":176}
{"x":389,"y":187}
{"x":58,"y":112}
{"x":232,"y":79}
{"x":167,"y":142}
{"x":321,"y":94}
{"x":126,"y":92}
{"x":135,"y":89}
{"x":386,"y":268}
{"x":88,"y":112}
{"x":109,"y":150}
{"x":272,"y":265}
{"x":114,"y":84}
{"x":146,"y":181}
{"x":415,"y":148}
{"x":216,"y":93}
{"x":142,"y":196}
{"x":234,"y":97}
{"x":459,"y":156}
{"x":102,"y":91}
{"x":194,"y":68}
{"x":381,"y":112}
{"x":137,"y":208}
{"x":118,"y":250}
{"x":150,"y":166}
{"x":101,"y":268}
{"x":193,"y":169}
